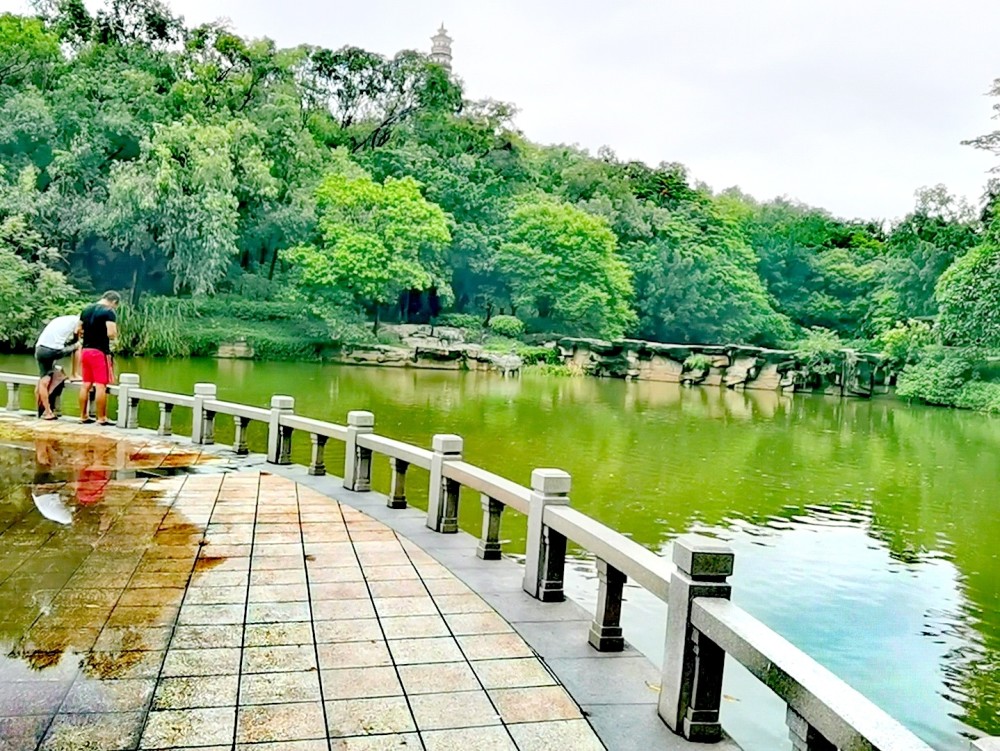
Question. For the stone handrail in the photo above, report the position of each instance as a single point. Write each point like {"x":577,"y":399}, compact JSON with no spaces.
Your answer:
{"x":642,"y":565}
{"x":312,"y":427}
{"x":416,"y":457}
{"x":233,"y":409}
{"x":507,"y":492}
{"x":836,"y":711}
{"x":163,"y":397}
{"x":824,"y":713}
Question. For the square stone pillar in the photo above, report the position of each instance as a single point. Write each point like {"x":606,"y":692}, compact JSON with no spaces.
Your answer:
{"x":203,"y":422}
{"x":545,"y":556}
{"x":278,"y":441}
{"x":691,"y":690}
{"x":442,"y":500}
{"x":357,"y":459}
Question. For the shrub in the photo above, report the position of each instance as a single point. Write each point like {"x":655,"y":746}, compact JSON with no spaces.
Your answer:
{"x":466,"y":321}
{"x":905,"y":343}
{"x":698,"y":362}
{"x":553,"y":369}
{"x":508,"y":326}
{"x":226,"y":306}
{"x":819,"y":352}
{"x":538,"y":355}
{"x":979,"y":395}
{"x":938,"y":378}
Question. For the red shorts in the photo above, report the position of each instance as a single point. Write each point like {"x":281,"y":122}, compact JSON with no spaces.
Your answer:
{"x":96,"y":366}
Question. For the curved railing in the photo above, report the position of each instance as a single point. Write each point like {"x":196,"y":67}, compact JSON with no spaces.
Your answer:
{"x":703,"y":626}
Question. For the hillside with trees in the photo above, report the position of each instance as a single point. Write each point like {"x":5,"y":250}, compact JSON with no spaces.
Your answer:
{"x":311,"y":193}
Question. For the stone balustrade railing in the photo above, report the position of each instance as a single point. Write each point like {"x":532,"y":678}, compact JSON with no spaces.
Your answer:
{"x":703,"y":626}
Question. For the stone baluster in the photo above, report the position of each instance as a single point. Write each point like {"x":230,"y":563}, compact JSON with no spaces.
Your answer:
{"x":240,"y":425}
{"x":803,"y":735}
{"x":397,"y":487}
{"x":545,"y":555}
{"x":279,"y":443}
{"x":202,"y":420}
{"x":489,"y":548}
{"x":606,"y":630}
{"x":166,"y":426}
{"x":128,"y":407}
{"x":442,"y":495}
{"x":358,"y":459}
{"x":13,"y":397}
{"x":317,"y":465}
{"x":691,"y":689}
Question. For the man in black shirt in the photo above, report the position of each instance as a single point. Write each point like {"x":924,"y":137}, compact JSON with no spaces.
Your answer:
{"x":98,"y":327}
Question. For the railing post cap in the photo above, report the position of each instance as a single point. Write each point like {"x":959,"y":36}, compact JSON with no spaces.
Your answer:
{"x":282,"y":402}
{"x":205,"y":389}
{"x":128,"y":379}
{"x":548,"y":481}
{"x":446,"y":443}
{"x":698,"y":556}
{"x":360,"y":418}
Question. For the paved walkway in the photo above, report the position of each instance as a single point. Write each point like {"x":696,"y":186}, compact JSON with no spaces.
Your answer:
{"x":226,"y":609}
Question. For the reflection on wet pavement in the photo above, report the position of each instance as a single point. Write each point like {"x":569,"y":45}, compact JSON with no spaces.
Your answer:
{"x":240,"y":609}
{"x":92,"y":561}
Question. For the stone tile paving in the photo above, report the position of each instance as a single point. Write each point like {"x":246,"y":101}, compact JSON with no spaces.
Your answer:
{"x":241,"y":610}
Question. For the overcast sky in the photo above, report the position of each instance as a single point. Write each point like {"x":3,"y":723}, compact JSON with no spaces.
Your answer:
{"x":846,"y":104}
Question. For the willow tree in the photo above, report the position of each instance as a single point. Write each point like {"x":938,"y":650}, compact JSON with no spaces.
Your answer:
{"x":180,"y":200}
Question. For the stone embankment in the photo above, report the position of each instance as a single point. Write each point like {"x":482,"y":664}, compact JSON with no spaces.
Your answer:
{"x":844,"y":373}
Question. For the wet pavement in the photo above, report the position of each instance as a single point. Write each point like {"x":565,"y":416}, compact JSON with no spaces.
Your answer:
{"x":154,"y":597}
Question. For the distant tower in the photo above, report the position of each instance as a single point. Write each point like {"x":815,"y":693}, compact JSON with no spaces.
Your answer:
{"x":441,"y":48}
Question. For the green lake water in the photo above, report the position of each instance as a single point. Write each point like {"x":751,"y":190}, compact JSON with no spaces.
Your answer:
{"x":867,"y":533}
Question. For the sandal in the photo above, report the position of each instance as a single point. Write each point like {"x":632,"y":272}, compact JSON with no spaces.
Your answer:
{"x":53,"y":417}
{"x":104,"y":423}
{"x":87,"y":420}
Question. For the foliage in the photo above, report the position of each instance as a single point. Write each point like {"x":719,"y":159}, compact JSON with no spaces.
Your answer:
{"x":157,"y":327}
{"x":231,"y":306}
{"x":696,"y":281}
{"x":969,"y":297}
{"x":376,"y":241}
{"x":819,"y":352}
{"x":534,"y":355}
{"x":466,"y":321}
{"x":552,"y":369}
{"x":697,"y":362}
{"x":937,"y":378}
{"x":508,"y":326}
{"x":905,"y":342}
{"x":30,"y":295}
{"x":563,"y":265}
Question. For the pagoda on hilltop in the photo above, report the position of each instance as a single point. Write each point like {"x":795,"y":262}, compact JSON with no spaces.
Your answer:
{"x":441,"y":48}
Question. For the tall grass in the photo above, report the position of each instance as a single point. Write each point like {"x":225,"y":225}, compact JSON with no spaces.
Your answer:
{"x":156,"y":327}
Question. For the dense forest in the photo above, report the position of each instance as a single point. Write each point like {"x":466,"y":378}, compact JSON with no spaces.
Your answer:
{"x":212,"y":177}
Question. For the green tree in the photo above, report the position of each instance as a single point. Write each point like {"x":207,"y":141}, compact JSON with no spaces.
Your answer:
{"x":375,"y":241}
{"x":181,"y":200}
{"x":27,"y":50}
{"x":968,"y":295}
{"x":31,"y":292}
{"x":696,"y":280}
{"x":562,"y":265}
{"x":927,"y":241}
